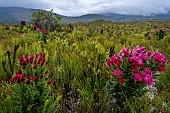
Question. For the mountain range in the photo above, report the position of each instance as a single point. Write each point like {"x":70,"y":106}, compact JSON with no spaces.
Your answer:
{"x":15,"y":14}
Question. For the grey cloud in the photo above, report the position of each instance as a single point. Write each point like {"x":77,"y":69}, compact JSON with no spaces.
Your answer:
{"x":80,"y":7}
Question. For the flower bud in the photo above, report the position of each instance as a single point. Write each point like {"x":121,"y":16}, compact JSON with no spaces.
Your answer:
{"x":22,"y":77}
{"x":122,"y":80}
{"x":49,"y":82}
{"x":22,"y":58}
{"x":28,"y":81}
{"x":35,"y":79}
{"x":19,"y":71}
{"x":42,"y":54}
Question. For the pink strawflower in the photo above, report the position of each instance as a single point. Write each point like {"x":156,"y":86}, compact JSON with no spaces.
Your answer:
{"x":138,"y":77}
{"x":149,"y":53}
{"x":108,"y":63}
{"x":135,"y":67}
{"x":118,"y":63}
{"x":139,"y":49}
{"x":147,"y":71}
{"x":135,"y":71}
{"x":161,"y":68}
{"x":131,"y":60}
{"x":125,"y":52}
{"x":148,"y":80}
{"x":141,"y":64}
{"x":117,"y":72}
{"x":159,"y":57}
{"x":143,"y":56}
{"x":113,"y":59}
{"x":122,"y":80}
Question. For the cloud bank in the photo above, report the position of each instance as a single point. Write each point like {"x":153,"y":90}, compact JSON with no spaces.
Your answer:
{"x":81,"y":7}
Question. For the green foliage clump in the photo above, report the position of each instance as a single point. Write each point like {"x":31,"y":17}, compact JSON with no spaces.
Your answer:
{"x":46,"y":20}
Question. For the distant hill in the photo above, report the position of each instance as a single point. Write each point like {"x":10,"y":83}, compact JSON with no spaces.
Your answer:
{"x":15,"y":14}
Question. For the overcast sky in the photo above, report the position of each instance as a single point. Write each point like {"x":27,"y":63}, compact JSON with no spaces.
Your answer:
{"x":81,"y":7}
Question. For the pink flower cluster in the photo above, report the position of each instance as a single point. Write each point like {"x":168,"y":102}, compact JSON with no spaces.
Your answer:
{"x":140,"y":62}
{"x":34,"y":60}
{"x":23,"y":21}
{"x":39,"y":29}
{"x":20,"y":77}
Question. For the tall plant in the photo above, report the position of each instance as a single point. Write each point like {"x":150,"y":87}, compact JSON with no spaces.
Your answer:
{"x":46,"y":20}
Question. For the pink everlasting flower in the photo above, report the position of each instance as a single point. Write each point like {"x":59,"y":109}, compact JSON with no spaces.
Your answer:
{"x":159,"y":57}
{"x":135,"y":70}
{"x":138,"y":77}
{"x":148,"y":80}
{"x":122,"y":80}
{"x":161,"y":68}
{"x":139,"y":49}
{"x":149,"y":53}
{"x":117,"y":72}
{"x":147,"y":71}
{"x":143,"y":56}
{"x":125,"y":52}
{"x":131,"y":60}
{"x":118,"y":63}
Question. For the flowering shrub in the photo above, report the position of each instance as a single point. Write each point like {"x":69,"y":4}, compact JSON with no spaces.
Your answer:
{"x":31,"y":86}
{"x":43,"y":33}
{"x":133,"y":70}
{"x":46,"y":20}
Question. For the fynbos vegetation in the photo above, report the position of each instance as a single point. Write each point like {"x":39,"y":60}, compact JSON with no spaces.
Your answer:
{"x":96,"y":67}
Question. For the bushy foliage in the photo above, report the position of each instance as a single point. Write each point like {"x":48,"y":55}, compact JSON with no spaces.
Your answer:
{"x":46,"y":20}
